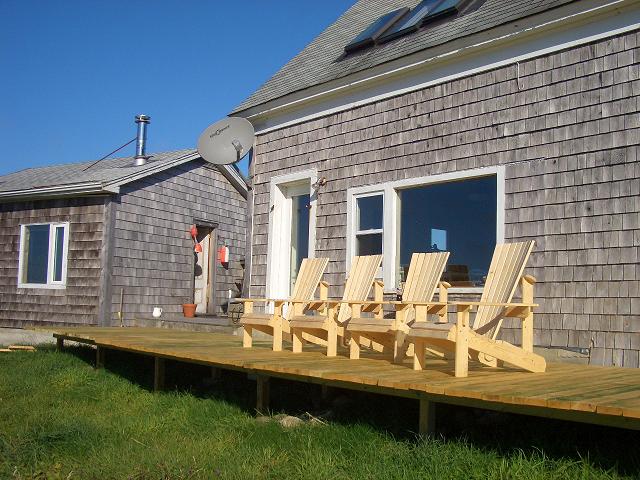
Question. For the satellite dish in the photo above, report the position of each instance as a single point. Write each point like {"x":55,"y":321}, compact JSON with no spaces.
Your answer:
{"x":226,"y":141}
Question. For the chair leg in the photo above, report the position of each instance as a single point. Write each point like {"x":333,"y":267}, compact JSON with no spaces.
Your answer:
{"x":246,"y":336}
{"x":399,"y":347}
{"x":332,"y":341}
{"x":419,"y":355}
{"x":462,"y":353}
{"x":297,"y":340}
{"x":354,"y":346}
{"x":277,"y":338}
{"x":462,"y":358}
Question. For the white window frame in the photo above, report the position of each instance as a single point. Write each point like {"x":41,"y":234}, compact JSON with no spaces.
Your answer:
{"x":371,"y":231}
{"x":51,"y":283}
{"x":353,"y":194}
{"x":391,"y":207}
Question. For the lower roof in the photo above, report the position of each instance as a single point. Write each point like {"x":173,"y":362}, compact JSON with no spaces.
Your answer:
{"x":99,"y":177}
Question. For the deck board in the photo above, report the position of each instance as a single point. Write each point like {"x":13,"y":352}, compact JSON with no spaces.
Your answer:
{"x":601,"y":395}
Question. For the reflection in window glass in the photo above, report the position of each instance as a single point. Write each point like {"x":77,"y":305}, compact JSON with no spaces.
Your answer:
{"x":300,"y":206}
{"x":37,"y":254}
{"x":370,"y":244}
{"x":369,"y":225}
{"x":370,"y":212}
{"x":459,"y":217}
{"x":59,"y":250}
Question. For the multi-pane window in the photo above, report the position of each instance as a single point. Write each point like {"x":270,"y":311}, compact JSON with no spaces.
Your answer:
{"x":369,"y":221}
{"x":456,"y":216}
{"x":43,"y":255}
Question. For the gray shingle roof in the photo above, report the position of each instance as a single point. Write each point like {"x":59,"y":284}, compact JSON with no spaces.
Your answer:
{"x":323,"y":59}
{"x":106,"y":172}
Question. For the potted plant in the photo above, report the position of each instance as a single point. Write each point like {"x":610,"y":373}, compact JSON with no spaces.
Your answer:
{"x":188,"y":309}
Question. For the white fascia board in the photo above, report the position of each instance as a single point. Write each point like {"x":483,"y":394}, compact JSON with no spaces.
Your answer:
{"x":565,"y":27}
{"x":235,"y":178}
{"x":92,"y":188}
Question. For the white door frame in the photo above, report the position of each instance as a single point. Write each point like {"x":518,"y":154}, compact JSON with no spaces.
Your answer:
{"x":278,"y":249}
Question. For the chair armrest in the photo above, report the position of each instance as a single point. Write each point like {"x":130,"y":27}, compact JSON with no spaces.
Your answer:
{"x":493,"y":304}
{"x":416,"y":304}
{"x":262,"y":300}
{"x":327,"y":302}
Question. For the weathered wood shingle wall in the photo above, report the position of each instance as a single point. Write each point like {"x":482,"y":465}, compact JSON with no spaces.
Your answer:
{"x":153,"y":252}
{"x":77,"y":304}
{"x":567,"y":131}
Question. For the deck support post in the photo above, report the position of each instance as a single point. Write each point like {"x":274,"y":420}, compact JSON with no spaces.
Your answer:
{"x":262,"y":394}
{"x":59,"y":344}
{"x":158,"y":374}
{"x":99,"y":357}
{"x":427,"y":421}
{"x":215,"y":373}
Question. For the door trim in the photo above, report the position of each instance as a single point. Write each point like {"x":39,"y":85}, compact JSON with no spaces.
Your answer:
{"x":275,"y":255}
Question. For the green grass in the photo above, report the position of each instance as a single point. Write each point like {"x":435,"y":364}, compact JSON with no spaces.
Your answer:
{"x":60,"y":418}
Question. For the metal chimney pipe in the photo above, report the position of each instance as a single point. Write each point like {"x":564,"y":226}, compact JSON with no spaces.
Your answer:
{"x":141,"y":140}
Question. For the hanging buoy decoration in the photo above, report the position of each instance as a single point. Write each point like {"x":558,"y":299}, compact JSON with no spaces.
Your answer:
{"x":223,"y":255}
{"x":193,"y":231}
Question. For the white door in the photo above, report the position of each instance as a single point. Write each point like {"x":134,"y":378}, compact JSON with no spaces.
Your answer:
{"x":290,"y":242}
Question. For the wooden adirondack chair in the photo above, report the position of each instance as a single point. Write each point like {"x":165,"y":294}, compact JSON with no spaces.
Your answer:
{"x":325,"y":328}
{"x":505,"y":272}
{"x":387,"y":335}
{"x":277,"y":324}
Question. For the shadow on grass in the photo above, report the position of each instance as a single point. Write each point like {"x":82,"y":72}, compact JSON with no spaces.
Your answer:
{"x":605,"y":447}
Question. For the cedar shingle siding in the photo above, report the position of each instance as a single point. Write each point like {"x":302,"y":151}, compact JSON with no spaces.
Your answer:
{"x":567,"y":132}
{"x":77,"y":304}
{"x":153,"y":252}
{"x":137,"y":240}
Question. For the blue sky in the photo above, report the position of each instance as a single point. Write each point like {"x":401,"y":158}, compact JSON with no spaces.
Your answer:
{"x":75,"y":72}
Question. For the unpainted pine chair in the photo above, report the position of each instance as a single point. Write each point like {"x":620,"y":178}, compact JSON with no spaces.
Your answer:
{"x":277,"y":323}
{"x":388,"y":335}
{"x":480,"y":340}
{"x":325,"y":328}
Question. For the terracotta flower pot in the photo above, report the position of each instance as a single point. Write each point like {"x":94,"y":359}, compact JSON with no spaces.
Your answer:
{"x":189,"y":310}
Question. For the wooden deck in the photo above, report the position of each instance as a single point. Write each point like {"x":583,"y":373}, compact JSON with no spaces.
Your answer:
{"x":599,"y":395}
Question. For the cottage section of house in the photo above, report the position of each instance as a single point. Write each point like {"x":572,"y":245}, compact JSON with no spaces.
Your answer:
{"x":85,"y":243}
{"x":455,"y":125}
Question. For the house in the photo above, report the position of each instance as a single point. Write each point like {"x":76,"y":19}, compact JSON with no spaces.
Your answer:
{"x":85,"y":243}
{"x":456,"y":125}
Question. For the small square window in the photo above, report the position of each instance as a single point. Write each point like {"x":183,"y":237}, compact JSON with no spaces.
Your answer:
{"x":370,"y":213}
{"x":43,"y":256}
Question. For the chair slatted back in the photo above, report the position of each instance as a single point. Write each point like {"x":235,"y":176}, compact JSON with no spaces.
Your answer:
{"x":507,"y":266}
{"x":309,"y":277}
{"x":361,"y":276}
{"x":425,"y":272}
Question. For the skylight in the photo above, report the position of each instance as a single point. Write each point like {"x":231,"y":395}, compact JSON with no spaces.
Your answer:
{"x":402,"y":22}
{"x":375,"y":30}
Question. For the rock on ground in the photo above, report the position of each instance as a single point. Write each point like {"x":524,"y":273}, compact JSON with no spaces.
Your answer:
{"x":18,"y":336}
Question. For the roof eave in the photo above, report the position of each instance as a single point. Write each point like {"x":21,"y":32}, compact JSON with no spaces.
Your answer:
{"x":41,"y":193}
{"x":235,"y":178}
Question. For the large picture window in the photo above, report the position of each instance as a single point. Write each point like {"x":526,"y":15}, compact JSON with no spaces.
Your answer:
{"x":460,"y":212}
{"x":43,"y":255}
{"x":456,"y":216}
